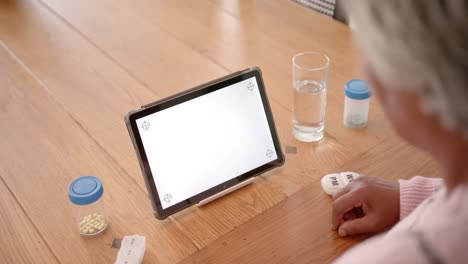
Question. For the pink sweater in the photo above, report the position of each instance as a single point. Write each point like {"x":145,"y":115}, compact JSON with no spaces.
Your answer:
{"x":433,"y":227}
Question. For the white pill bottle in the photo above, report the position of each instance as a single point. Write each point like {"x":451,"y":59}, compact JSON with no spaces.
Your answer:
{"x":356,"y":106}
{"x":85,"y":192}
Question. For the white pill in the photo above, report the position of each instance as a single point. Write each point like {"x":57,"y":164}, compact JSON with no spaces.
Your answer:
{"x":333,"y":183}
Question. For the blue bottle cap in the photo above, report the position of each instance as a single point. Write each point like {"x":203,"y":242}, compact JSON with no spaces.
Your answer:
{"x":357,"y":89}
{"x":85,"y":190}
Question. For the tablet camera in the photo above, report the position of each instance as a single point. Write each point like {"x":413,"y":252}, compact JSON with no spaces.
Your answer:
{"x":250,"y":86}
{"x":167,"y":198}
{"x":146,"y":125}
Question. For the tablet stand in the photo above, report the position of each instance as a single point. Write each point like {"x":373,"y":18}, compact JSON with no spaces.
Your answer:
{"x":227,"y":191}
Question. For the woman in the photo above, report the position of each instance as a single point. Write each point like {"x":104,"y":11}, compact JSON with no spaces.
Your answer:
{"x":416,"y":62}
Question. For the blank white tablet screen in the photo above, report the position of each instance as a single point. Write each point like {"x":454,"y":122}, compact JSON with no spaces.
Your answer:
{"x":196,"y":145}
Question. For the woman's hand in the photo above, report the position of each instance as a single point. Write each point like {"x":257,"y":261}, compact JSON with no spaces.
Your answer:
{"x":366,"y":205}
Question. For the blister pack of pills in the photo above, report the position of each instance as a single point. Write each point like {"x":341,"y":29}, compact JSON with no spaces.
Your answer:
{"x":132,"y":250}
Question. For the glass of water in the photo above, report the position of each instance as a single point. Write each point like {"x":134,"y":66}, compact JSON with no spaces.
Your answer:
{"x":310,"y":81}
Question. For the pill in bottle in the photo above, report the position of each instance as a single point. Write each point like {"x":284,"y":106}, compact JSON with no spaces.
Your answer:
{"x":356,"y":106}
{"x":85,"y":193}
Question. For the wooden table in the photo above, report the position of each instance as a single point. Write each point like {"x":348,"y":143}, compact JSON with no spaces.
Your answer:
{"x":69,"y":72}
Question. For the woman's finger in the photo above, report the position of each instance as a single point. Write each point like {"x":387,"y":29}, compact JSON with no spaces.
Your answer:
{"x":356,"y":226}
{"x":344,"y":204}
{"x":356,"y":212}
{"x":349,"y":216}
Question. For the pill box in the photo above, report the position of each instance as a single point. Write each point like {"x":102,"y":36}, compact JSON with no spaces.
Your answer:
{"x":333,"y":183}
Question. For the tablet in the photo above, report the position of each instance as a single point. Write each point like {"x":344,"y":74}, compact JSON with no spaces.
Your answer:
{"x":202,"y":141}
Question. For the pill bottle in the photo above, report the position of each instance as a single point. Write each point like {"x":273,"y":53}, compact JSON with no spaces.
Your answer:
{"x":356,"y":106}
{"x":85,"y":193}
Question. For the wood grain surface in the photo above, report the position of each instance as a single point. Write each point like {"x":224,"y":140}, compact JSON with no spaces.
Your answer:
{"x":297,"y":230}
{"x":70,"y":71}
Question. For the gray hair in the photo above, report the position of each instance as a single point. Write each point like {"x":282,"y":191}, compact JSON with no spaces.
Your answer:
{"x":422,"y":45}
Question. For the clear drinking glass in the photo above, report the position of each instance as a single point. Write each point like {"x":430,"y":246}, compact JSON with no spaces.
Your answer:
{"x":310,"y":82}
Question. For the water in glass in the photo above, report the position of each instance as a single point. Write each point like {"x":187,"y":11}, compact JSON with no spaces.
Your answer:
{"x":309,"y":110}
